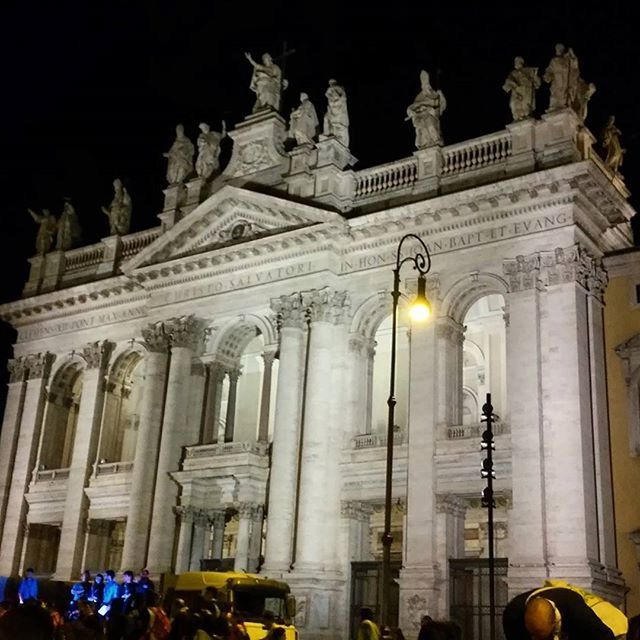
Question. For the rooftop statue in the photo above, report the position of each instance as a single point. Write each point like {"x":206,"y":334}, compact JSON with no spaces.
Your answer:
{"x":522,"y":83}
{"x":562,"y":75}
{"x":611,"y":144}
{"x":303,"y":122}
{"x":119,"y":211}
{"x":46,"y":232}
{"x":208,"y":161}
{"x":69,"y":231}
{"x":584,"y":91}
{"x":425,"y":112}
{"x":266,"y":83}
{"x":336,"y":119}
{"x":180,"y":165}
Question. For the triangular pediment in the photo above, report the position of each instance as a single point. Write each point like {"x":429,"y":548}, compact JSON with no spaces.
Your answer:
{"x":230,"y":216}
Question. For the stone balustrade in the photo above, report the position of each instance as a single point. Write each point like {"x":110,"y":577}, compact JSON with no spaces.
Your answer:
{"x":135,"y":242}
{"x":476,"y":154}
{"x":386,"y":177}
{"x":226,"y":448}
{"x":112,"y":468}
{"x":78,"y":259}
{"x":51,"y":475}
{"x":372,"y":440}
{"x":465,"y":431}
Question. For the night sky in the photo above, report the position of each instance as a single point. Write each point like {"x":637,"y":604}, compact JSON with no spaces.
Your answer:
{"x":93,"y":90}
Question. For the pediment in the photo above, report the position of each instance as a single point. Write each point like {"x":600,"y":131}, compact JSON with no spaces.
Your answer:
{"x":230,"y":216}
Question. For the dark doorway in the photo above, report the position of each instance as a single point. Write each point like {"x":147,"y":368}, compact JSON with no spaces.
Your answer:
{"x":366,"y":591}
{"x":469,"y":596}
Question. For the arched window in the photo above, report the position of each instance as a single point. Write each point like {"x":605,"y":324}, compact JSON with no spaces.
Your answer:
{"x":380,"y":371}
{"x":122,"y":409}
{"x":61,"y":418}
{"x":484,"y":357}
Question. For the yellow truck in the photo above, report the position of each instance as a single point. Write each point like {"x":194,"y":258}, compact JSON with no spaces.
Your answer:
{"x":245,"y":593}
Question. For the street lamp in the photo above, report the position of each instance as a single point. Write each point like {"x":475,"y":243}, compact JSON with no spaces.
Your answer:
{"x":420,"y":310}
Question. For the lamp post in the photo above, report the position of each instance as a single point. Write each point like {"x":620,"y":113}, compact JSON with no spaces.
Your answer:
{"x":420,"y":311}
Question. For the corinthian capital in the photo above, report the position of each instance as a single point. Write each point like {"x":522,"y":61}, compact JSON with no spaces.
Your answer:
{"x":326,"y":305}
{"x":17,"y":369}
{"x":155,"y":338}
{"x":97,"y":354}
{"x":39,"y":364}
{"x":186,"y":331}
{"x":289,"y":310}
{"x":522,"y":272}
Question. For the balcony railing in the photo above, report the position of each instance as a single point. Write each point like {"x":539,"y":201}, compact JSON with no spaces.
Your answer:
{"x":113,"y":468}
{"x":460,"y":432}
{"x":50,"y":475}
{"x":386,"y":177}
{"x":135,"y":242}
{"x":372,"y":440}
{"x":226,"y":448}
{"x":476,"y":154}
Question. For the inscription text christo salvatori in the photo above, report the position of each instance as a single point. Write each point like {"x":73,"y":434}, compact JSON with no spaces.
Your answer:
{"x":460,"y":241}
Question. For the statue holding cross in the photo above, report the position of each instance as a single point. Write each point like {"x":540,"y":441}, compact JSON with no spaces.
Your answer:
{"x":266,"y":82}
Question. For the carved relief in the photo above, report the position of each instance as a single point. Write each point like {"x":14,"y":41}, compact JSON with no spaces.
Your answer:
{"x":97,"y":354}
{"x":155,"y":338}
{"x":416,"y":608}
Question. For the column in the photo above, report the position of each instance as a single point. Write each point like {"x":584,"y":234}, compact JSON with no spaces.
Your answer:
{"x":217,"y":520}
{"x":420,"y":575}
{"x":38,"y":367}
{"x":185,"y":536}
{"x":184,"y":334}
{"x":231,"y":405}
{"x":10,"y":428}
{"x":286,"y":433}
{"x":255,"y":539}
{"x":136,"y":538}
{"x":246,"y":514}
{"x":326,"y":309}
{"x":85,"y":446}
{"x":527,"y":525}
{"x":215,"y":377}
{"x":200,"y":522}
{"x":358,"y":401}
{"x":265,"y":397}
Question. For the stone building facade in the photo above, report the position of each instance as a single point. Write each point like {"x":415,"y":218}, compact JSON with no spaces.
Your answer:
{"x":215,"y":387}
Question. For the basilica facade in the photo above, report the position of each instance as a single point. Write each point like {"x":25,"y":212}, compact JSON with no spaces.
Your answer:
{"x":212,"y":391}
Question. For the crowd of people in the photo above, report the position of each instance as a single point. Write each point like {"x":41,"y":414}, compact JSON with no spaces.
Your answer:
{"x":103,"y":608}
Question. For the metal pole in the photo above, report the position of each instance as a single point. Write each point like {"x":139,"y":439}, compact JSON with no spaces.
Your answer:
{"x":489,"y":502}
{"x":422,"y":264}
{"x":387,"y":538}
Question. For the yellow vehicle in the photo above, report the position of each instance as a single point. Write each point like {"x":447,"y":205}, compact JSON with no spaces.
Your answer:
{"x":244,"y":593}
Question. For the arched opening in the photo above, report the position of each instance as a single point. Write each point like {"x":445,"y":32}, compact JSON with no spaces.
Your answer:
{"x":61,"y":421}
{"x":484,"y":358}
{"x":122,"y":409}
{"x":380,"y":371}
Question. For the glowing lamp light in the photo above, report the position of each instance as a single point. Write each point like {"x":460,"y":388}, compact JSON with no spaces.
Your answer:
{"x":420,"y":308}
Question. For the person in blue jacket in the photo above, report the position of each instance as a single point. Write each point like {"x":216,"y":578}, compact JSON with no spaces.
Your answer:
{"x":28,"y":589}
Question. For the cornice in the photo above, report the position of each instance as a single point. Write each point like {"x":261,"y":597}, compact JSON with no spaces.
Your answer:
{"x":89,"y":297}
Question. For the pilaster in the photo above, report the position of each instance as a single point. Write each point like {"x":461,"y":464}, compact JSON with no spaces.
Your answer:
{"x":38,"y":367}
{"x":265,"y":397}
{"x":333,"y":184}
{"x":185,"y":516}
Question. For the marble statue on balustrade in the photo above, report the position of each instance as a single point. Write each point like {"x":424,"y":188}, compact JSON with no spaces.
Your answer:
{"x":69,"y":231}
{"x":584,"y":92}
{"x":610,"y":140}
{"x":208,"y":160}
{"x":266,"y":82}
{"x":119,"y":211}
{"x":522,"y":83}
{"x":303,"y":122}
{"x":46,"y":231}
{"x":562,"y":75}
{"x":336,"y":119}
{"x":425,"y":112}
{"x":180,"y":158}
